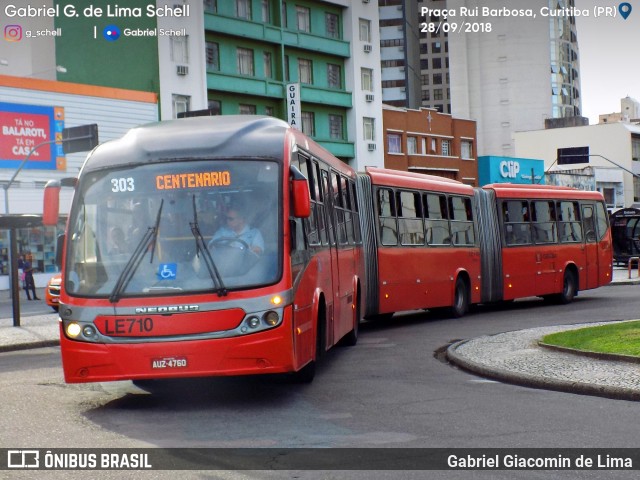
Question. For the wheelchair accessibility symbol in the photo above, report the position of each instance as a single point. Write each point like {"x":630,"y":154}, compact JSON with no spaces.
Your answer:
{"x":167,"y":271}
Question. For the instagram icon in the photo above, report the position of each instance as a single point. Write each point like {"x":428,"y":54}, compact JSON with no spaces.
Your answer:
{"x":13,"y":33}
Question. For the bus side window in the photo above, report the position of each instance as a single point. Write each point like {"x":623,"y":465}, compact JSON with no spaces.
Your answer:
{"x":569,"y":225}
{"x":387,"y":217}
{"x":544,"y":224}
{"x":515,"y":215}
{"x":410,"y":219}
{"x":461,"y":221}
{"x":436,"y":220}
{"x":602,"y":220}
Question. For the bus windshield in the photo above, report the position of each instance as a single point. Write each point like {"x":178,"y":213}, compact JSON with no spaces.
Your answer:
{"x":175,"y":227}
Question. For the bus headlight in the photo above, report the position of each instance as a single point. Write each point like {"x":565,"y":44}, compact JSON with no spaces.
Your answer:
{"x":88,"y":331}
{"x":73,"y":330}
{"x":253,"y":322}
{"x":271,"y":318}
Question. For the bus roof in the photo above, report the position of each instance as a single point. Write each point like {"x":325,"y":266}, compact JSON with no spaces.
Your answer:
{"x":400,"y":178}
{"x":513,"y":190}
{"x":196,"y":137}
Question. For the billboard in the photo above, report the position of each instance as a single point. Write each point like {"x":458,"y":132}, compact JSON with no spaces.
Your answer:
{"x":24,"y":127}
{"x":494,"y":169}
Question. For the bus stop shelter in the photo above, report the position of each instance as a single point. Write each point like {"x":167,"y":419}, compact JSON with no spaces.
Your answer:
{"x":625,"y":230}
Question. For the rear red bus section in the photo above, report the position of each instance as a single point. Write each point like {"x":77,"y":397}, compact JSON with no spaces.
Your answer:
{"x":235,"y":245}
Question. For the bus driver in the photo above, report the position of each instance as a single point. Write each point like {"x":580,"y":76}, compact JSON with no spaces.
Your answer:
{"x":237,"y":228}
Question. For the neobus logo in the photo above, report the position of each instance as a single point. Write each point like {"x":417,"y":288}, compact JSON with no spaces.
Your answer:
{"x":169,"y":309}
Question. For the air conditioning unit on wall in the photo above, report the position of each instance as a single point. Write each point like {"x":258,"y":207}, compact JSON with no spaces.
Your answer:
{"x":371,"y":147}
{"x":367,"y":47}
{"x":369,"y":97}
{"x":182,"y":70}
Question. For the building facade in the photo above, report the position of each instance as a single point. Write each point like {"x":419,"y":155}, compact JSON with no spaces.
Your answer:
{"x":525,"y":71}
{"x":255,"y":50}
{"x":612,"y":151}
{"x":32,"y":111}
{"x":426,"y":141}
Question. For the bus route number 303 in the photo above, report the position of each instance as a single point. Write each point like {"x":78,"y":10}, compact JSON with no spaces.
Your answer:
{"x":122,"y":184}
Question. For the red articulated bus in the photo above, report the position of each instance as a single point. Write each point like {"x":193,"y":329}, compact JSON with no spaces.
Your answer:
{"x":185,"y":253}
{"x":235,"y":245}
{"x":431,"y":242}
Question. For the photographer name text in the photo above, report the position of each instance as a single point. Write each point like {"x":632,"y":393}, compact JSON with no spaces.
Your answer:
{"x":91,"y":11}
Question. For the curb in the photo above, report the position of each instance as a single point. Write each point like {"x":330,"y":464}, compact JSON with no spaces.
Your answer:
{"x":535,"y":381}
{"x":29,"y":345}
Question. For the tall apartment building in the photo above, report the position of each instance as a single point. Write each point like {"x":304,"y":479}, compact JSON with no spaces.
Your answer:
{"x":399,"y":52}
{"x":434,"y":57}
{"x":255,"y":49}
{"x":512,"y":78}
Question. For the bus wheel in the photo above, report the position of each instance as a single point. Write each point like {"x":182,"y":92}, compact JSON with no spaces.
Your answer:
{"x":569,"y":287}
{"x":460,"y":300}
{"x":306,"y":374}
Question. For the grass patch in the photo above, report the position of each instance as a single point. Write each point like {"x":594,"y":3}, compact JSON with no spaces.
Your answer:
{"x":617,"y":338}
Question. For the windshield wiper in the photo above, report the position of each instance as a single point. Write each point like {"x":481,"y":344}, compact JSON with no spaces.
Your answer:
{"x":206,"y":255}
{"x":150,"y":238}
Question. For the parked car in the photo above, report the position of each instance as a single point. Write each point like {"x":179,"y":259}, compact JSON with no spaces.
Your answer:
{"x":52,"y":292}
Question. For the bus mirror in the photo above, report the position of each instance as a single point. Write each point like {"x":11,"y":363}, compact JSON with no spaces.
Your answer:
{"x":51,"y":203}
{"x":300,"y":193}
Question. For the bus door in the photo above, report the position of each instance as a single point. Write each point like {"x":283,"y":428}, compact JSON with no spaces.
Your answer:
{"x":592,"y":258}
{"x":331,"y":225}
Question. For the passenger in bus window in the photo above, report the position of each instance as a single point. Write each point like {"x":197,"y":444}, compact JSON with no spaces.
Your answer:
{"x":236,"y":227}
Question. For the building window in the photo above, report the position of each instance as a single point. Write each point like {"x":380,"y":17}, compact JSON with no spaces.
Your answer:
{"x":412,"y":145}
{"x":243,"y":9}
{"x":366,"y":75}
{"x":266,"y":16}
{"x":369,"y":128}
{"x":245,"y":109}
{"x":180,"y":104}
{"x":437,"y":79}
{"x":332,"y":23}
{"x":334,"y":76}
{"x":437,"y":94}
{"x":283,"y":15}
{"x":215,"y":107}
{"x":434,"y":146}
{"x":436,"y":47}
{"x":436,"y":62}
{"x":466,"y":149}
{"x":268,"y":111}
{"x":180,"y":49}
{"x":303,"y":18}
{"x":394,"y":143}
{"x":245,"y":61}
{"x":213,"y":56}
{"x":365,"y":30}
{"x":266,"y":56}
{"x":287,"y":77}
{"x":305,"y":71}
{"x":335,"y":127}
{"x":446,"y":147}
{"x":308,"y":124}
{"x":211,"y":6}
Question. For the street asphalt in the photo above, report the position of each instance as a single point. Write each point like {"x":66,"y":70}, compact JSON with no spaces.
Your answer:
{"x":513,"y":357}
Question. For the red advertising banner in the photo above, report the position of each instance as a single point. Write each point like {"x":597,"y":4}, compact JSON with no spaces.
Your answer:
{"x":23,"y":127}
